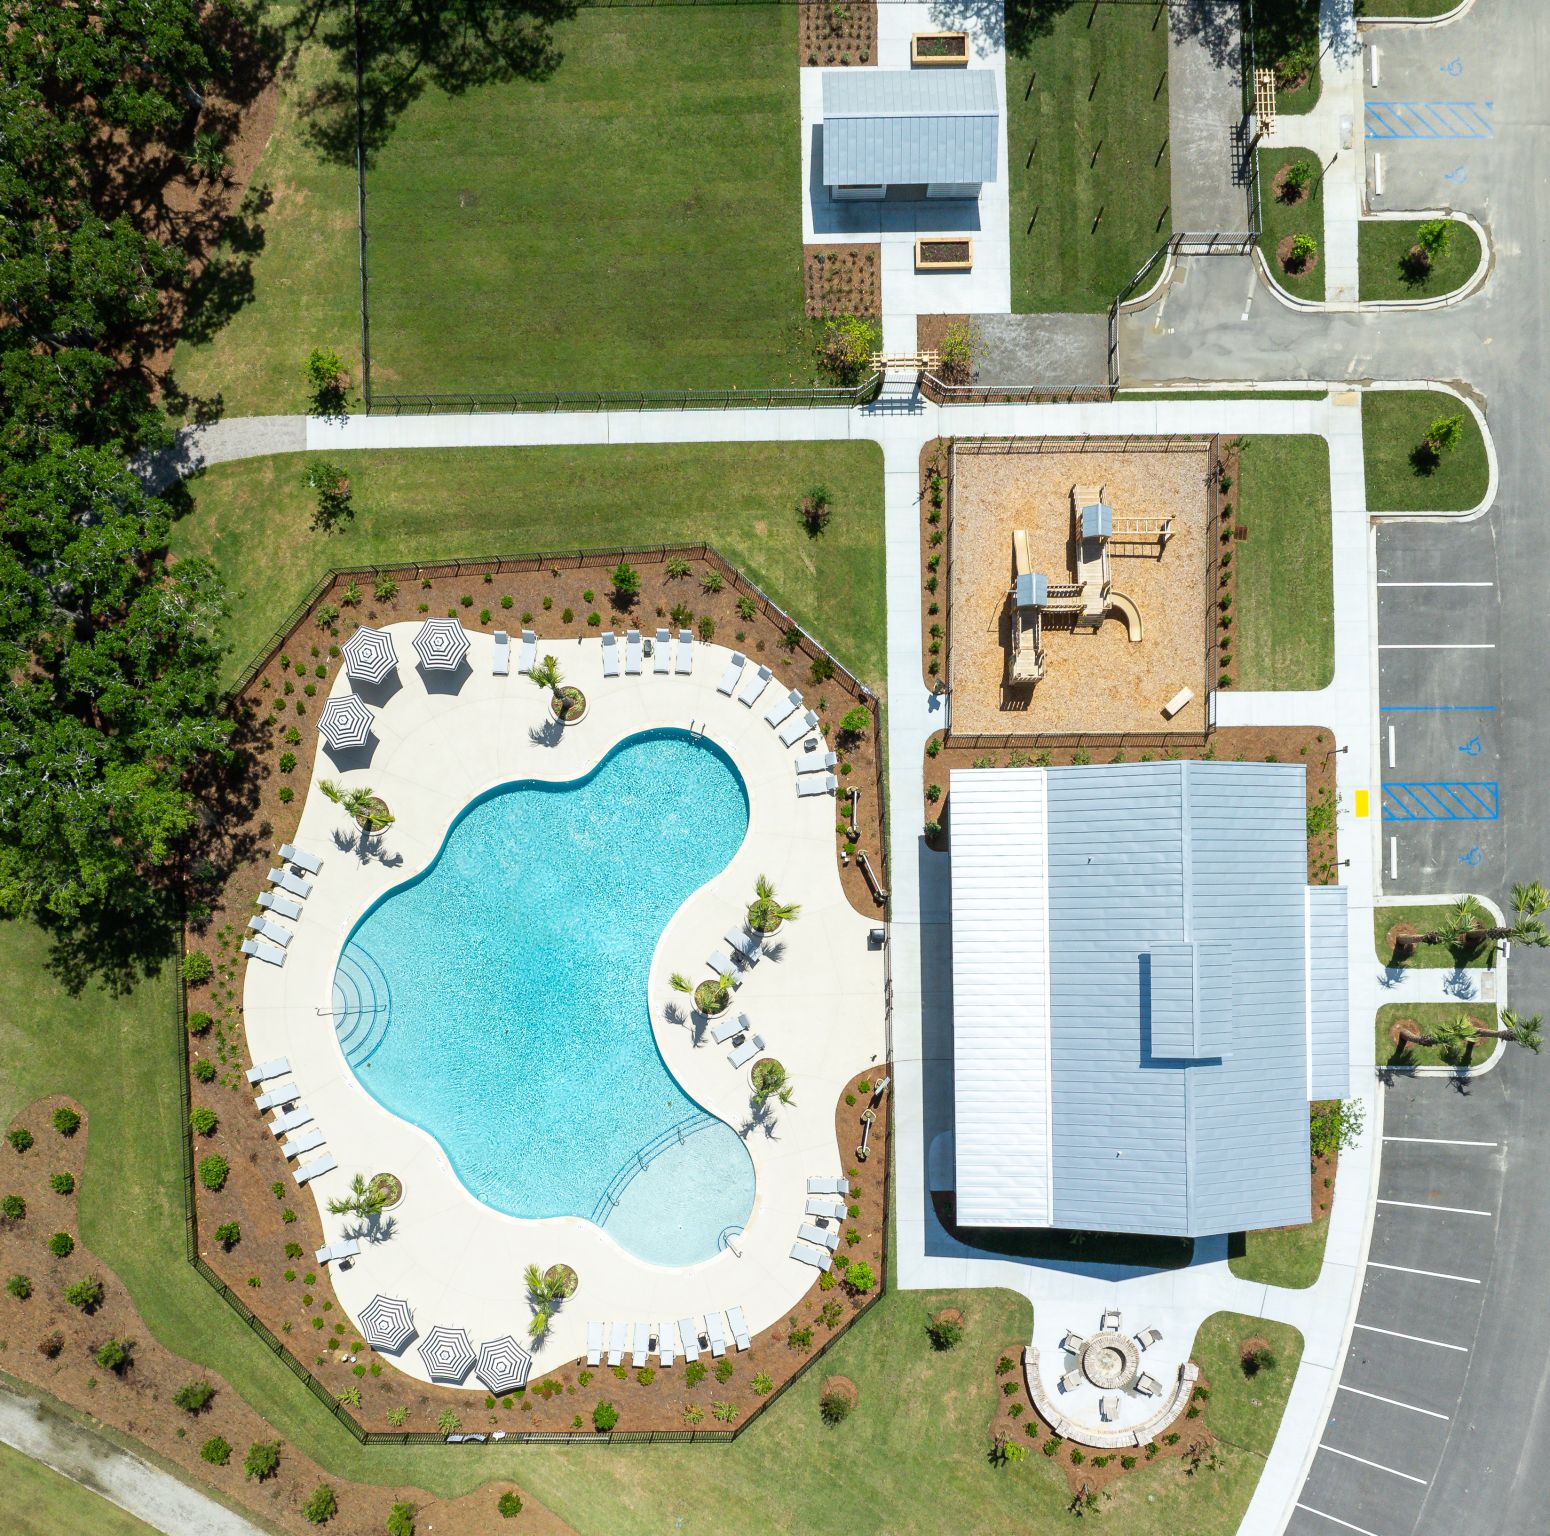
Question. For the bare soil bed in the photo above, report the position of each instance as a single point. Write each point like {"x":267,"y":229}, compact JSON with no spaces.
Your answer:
{"x":52,"y":1345}
{"x":1094,"y":682}
{"x":842,"y":280}
{"x":837,"y":32}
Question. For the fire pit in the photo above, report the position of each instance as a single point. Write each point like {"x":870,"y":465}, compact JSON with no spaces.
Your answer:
{"x":1110,"y":1361}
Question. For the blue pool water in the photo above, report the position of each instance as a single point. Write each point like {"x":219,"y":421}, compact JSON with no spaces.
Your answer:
{"x":498,"y":999}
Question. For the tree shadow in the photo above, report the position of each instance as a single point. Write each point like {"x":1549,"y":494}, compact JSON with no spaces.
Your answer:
{"x":1217,"y":25}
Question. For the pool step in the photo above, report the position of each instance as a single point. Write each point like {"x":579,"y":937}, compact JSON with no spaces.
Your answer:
{"x":674,"y":1135}
{"x":363,"y":1004}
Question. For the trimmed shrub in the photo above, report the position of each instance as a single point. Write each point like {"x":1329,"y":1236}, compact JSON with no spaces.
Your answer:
{"x":19,"y":1286}
{"x":228,"y":1235}
{"x":13,"y":1207}
{"x":193,"y":1396}
{"x":20,"y":1139}
{"x":66,"y":1121}
{"x":113,"y":1356}
{"x":945,"y":1333}
{"x":509,"y":1505}
{"x":197,"y":967}
{"x":834,"y":1407}
{"x":262,"y":1460}
{"x":859,"y":1278}
{"x":85,"y":1294}
{"x":61,"y":1245}
{"x":216,"y":1451}
{"x":202,"y":1119}
{"x":604,"y":1417}
{"x":400,"y":1520}
{"x":213,"y":1171}
{"x":321,"y":1505}
{"x":204,"y":1071}
{"x":199,"y":1022}
{"x":62,"y":1183}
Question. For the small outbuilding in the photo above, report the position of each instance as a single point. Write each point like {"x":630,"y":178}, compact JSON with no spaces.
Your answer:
{"x":927,"y":133}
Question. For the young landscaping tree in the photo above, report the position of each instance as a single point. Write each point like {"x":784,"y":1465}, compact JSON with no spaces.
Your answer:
{"x":1334,"y":1126}
{"x":626,"y":581}
{"x":85,"y":1294}
{"x":547,"y":674}
{"x":325,"y":381}
{"x":770,"y":1082}
{"x":332,"y":486}
{"x":1444,"y":434}
{"x":956,"y":351}
{"x":1433,"y":237}
{"x":834,"y":1407}
{"x":816,"y":509}
{"x":944,"y":1332}
{"x":364,"y":1200}
{"x":114,"y":1356}
{"x":1298,"y":175}
{"x":854,"y":723}
{"x":846,"y":351}
{"x":545,"y":1291}
{"x":766,"y":912}
{"x":228,"y":1235}
{"x":361,"y":805}
{"x":1456,"y":1037}
{"x":1301,"y":251}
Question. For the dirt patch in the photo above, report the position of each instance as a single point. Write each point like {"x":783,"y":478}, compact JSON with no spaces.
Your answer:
{"x":840,"y":1386}
{"x":949,"y":1315}
{"x":137,"y":1401}
{"x":842,"y":280}
{"x":1284,"y":258}
{"x":1291,"y":196}
{"x":837,"y":32}
{"x":932,"y":330}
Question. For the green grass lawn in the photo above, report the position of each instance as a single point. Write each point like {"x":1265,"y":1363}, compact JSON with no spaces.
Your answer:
{"x":634,"y":222}
{"x":1221,"y":394}
{"x":1424,"y":917}
{"x":1246,"y":1413}
{"x":1080,"y":225}
{"x":1394,"y":424}
{"x":1416,"y":8}
{"x":1280,"y":28}
{"x":252,"y":518}
{"x":39,"y":1502}
{"x":1425,"y":1015}
{"x":1286,"y":1256}
{"x":1384,"y":245}
{"x":1279,"y":219}
{"x":1284,"y":613}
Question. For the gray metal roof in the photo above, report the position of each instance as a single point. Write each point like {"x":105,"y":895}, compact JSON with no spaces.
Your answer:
{"x":1330,"y":987}
{"x":1031,"y":590}
{"x":1176,"y":1010}
{"x":904,"y":127}
{"x":1097,"y":520}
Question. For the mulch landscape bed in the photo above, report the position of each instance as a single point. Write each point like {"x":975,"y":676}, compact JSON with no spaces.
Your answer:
{"x":842,"y":280}
{"x":1284,"y":258}
{"x":51,"y":1345}
{"x":1229,"y":535}
{"x":1312,"y":746}
{"x":832,"y":33}
{"x":935,"y":494}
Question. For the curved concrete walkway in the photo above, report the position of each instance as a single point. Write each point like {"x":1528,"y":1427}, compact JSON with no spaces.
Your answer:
{"x":146,"y":1492}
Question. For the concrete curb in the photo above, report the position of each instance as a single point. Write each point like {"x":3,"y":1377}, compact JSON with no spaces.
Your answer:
{"x":1493,"y":470}
{"x":1444,"y":300}
{"x":1459,"y":11}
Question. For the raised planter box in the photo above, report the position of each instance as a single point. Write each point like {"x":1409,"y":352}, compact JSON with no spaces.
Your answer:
{"x":930,"y":50}
{"x":944,"y":255}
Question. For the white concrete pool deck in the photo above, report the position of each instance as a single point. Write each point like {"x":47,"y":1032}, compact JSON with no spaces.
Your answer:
{"x":817,"y":1000}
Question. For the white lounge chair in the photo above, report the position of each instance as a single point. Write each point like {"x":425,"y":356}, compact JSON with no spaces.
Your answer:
{"x":618,"y":1342}
{"x":302,"y":1142}
{"x":722,"y":965}
{"x":610,"y":654}
{"x":739,"y":1326}
{"x":828,"y":1186}
{"x":816,"y":784}
{"x":683,"y":661}
{"x":728,"y":1027}
{"x":817,"y":1257}
{"x":275,"y":1068}
{"x":815,"y":762}
{"x":308,"y":863}
{"x":640,"y":1345}
{"x":594,"y":1343}
{"x":289,"y":882}
{"x":345,"y":1248}
{"x":715,"y":1334}
{"x":632,"y":653}
{"x":662,"y":654}
{"x":688,"y":1339}
{"x":746,"y":1051}
{"x":823,"y":1237}
{"x":733,"y":672}
{"x":529,"y":652}
{"x":290,"y":1120}
{"x":830,"y":1210}
{"x":286,"y":1093}
{"x":319,"y":1165}
{"x":256,"y":951}
{"x":796,"y":728}
{"x":750,"y":691}
{"x":782,"y":709}
{"x":281,"y":906}
{"x":748,"y":945}
{"x":271,"y":931}
{"x":502,"y":662}
{"x":667,"y":1343}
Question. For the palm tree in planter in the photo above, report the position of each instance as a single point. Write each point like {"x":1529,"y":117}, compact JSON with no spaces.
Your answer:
{"x":568,"y":703}
{"x":770,"y":1082}
{"x":368,"y":811}
{"x":766,"y":912}
{"x":364,"y":1200}
{"x":1456,"y":1037}
{"x":546,"y":1289}
{"x":710,"y":997}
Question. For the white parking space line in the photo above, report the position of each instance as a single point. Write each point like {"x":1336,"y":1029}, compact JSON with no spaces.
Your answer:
{"x":1391,"y":746}
{"x":1377,"y":1466}
{"x":1361,"y":1530}
{"x":1436,"y":583}
{"x":1453,"y":645}
{"x":1393,"y":858}
{"x":1414,"y":1338}
{"x":1394,"y":1402}
{"x":1441,"y":1141}
{"x":1422,"y":1205}
{"x":1431,"y":1274}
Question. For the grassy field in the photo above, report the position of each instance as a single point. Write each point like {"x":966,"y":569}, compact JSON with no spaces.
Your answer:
{"x":1087,"y":130}
{"x":1383,"y":246}
{"x":634,"y":222}
{"x":1425,"y":1015}
{"x":1424,"y":917}
{"x":1394,"y":423}
{"x":1243,"y":1414}
{"x":1416,"y":8}
{"x":40,"y":1502}
{"x":1286,"y":1256}
{"x":1285,"y":622}
{"x":1222,"y":394}
{"x":1279,"y":219}
{"x":252,"y":518}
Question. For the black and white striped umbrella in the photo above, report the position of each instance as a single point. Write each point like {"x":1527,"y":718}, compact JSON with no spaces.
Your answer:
{"x":447,"y":1354}
{"x":369,"y":655}
{"x":345,"y":721}
{"x":386,"y":1324}
{"x":503,"y":1365}
{"x":441,"y":644}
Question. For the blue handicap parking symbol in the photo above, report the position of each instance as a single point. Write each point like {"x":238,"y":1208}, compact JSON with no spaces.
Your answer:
{"x":1454,"y":67}
{"x":1471,"y":748}
{"x":1472,"y":858}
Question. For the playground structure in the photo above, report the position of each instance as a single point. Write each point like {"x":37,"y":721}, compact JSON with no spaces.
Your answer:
{"x":1081,"y":605}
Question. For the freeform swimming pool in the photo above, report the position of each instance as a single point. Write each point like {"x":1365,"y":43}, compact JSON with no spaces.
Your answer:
{"x":498,"y":999}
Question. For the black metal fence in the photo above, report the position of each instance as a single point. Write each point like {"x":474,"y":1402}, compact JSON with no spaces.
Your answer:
{"x":530,"y":401}
{"x":1048,"y":741}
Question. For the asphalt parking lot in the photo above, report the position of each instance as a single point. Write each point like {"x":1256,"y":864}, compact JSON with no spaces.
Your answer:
{"x":1395,"y":1422}
{"x":1441,"y":715}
